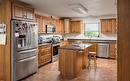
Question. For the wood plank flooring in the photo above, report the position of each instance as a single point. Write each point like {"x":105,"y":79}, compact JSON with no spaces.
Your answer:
{"x":106,"y":71}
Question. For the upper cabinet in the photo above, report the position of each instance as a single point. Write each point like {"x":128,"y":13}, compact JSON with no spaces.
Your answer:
{"x":75,"y":26}
{"x":59,"y":26}
{"x":66,"y":26}
{"x":108,"y":26}
{"x":21,"y":11}
{"x":41,"y":23}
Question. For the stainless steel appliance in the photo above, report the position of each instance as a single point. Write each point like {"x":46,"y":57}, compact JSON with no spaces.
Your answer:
{"x":24,"y":43}
{"x":50,"y":28}
{"x":55,"y":51}
{"x":103,"y":50}
{"x":55,"y":46}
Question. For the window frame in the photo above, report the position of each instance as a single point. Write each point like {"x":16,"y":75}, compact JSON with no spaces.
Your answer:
{"x":92,"y":31}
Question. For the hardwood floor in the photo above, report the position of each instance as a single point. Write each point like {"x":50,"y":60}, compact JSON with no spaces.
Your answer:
{"x":106,"y":71}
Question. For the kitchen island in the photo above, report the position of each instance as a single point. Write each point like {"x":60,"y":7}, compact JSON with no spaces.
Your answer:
{"x":73,"y":59}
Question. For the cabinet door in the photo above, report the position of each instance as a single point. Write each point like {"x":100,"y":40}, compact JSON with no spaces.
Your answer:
{"x":108,"y":26}
{"x":57,"y":26}
{"x":43,"y":25}
{"x":38,"y":20}
{"x":112,"y":51}
{"x":104,"y":28}
{"x":75,"y":26}
{"x":29,"y":13}
{"x":114,"y":27}
{"x":62,"y":26}
{"x":44,"y":54}
{"x":17,"y":11}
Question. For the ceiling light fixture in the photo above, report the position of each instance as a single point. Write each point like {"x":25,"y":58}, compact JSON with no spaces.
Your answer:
{"x":79,"y":8}
{"x":82,"y":10}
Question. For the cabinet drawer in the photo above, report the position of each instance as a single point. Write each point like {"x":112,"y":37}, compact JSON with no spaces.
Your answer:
{"x":44,"y":59}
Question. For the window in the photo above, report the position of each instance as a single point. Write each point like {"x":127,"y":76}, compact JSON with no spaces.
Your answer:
{"x":91,"y":29}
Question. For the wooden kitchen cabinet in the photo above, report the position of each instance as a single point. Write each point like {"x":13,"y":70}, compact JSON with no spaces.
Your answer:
{"x":112,"y":51}
{"x":44,"y":54}
{"x":22,"y":11}
{"x":30,"y":13}
{"x":59,"y":26}
{"x":64,"y":43}
{"x":108,"y":26}
{"x":41,"y":23}
{"x":75,"y":26}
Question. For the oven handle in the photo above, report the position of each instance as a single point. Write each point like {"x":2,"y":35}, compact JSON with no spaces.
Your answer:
{"x":53,"y":45}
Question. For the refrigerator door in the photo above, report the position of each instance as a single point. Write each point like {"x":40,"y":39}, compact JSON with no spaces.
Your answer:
{"x":33,"y":35}
{"x":25,"y":35}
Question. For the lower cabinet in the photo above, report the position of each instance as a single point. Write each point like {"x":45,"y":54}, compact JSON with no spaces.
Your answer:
{"x":44,"y":54}
{"x":112,"y":51}
{"x":64,"y":43}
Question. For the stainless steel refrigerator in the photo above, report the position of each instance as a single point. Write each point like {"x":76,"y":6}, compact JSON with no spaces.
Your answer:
{"x":24,"y":49}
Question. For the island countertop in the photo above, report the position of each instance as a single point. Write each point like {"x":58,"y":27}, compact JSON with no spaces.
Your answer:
{"x":76,"y":47}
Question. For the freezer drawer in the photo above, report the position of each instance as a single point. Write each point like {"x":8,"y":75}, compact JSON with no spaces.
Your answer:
{"x":103,"y":50}
{"x":26,"y":54}
{"x":26,"y":67}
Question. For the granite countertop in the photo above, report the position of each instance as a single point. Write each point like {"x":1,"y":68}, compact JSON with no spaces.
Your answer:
{"x":104,"y":37}
{"x":94,"y":38}
{"x":78,"y":47}
{"x":43,"y":44}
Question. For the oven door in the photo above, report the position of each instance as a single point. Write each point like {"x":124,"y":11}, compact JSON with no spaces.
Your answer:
{"x":55,"y":52}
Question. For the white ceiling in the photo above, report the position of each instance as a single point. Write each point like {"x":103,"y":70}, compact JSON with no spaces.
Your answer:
{"x":61,"y":8}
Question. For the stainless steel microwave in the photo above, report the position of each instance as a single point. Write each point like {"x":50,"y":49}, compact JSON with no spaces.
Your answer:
{"x":50,"y":29}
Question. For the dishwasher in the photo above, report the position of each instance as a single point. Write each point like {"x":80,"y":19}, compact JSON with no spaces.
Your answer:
{"x":103,"y":50}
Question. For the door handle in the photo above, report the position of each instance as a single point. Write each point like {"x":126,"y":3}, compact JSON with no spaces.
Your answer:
{"x":27,"y":51}
{"x":27,"y":59}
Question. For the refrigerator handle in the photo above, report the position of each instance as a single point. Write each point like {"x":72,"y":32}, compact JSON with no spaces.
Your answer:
{"x":27,"y":59}
{"x":27,"y":51}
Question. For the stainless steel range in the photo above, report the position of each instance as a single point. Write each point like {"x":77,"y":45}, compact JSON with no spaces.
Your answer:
{"x":55,"y":46}
{"x":24,"y":43}
{"x":55,"y":52}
